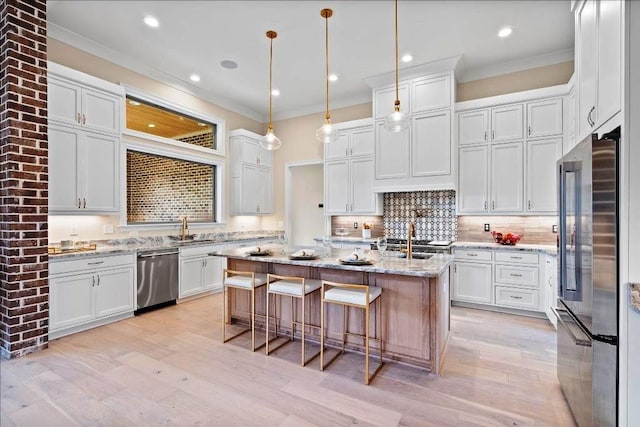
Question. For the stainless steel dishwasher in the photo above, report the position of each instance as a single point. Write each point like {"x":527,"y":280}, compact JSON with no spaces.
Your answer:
{"x":157,"y":277}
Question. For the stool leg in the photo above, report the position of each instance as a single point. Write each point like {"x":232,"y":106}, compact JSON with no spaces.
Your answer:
{"x":224,"y":313}
{"x":303,"y":328}
{"x":379,"y":316}
{"x":366,"y":345}
{"x":253,"y":319}
{"x":345,"y":326}
{"x":293,"y":325}
{"x":266,"y":342}
{"x":322,"y":331}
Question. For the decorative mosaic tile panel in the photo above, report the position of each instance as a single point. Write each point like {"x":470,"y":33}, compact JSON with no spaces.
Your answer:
{"x":433,"y":213}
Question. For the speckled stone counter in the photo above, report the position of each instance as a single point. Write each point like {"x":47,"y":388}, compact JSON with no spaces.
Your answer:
{"x":413,"y":312}
{"x":634,"y":290}
{"x":550,"y":249}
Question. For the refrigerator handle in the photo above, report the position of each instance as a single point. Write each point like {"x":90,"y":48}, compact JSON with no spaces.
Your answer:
{"x":578,"y":341}
{"x":562,"y":244}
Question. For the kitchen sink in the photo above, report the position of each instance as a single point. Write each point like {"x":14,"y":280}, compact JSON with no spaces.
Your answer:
{"x":417,"y":255}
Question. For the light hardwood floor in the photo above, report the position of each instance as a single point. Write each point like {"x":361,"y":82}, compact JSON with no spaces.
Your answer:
{"x":168,"y":367}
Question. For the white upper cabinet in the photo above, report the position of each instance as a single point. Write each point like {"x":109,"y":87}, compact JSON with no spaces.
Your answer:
{"x":598,"y":63}
{"x":349,"y":171}
{"x":473,"y":127}
{"x":542,"y":196}
{"x":430,"y":145}
{"x":385,"y":98}
{"x":64,"y":175}
{"x":251,"y":174}
{"x":544,"y":118}
{"x":430,"y":94}
{"x":101,"y":173}
{"x":473,"y":176}
{"x":507,"y":123}
{"x":392,"y":153}
{"x":507,"y":177}
{"x":101,"y":111}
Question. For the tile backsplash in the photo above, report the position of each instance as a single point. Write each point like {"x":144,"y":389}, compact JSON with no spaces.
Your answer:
{"x":433,"y":212}
{"x":533,"y":229}
{"x":348,"y":221}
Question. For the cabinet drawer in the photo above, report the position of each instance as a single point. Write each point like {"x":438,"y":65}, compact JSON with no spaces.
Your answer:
{"x":240,"y":244}
{"x":517,"y":256}
{"x":472,"y":255}
{"x":516,"y":297}
{"x":516,"y":275}
{"x":200,"y":250}
{"x":85,"y":263}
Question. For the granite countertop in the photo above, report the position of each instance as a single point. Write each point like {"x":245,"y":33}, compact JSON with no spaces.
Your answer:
{"x":123,"y":246}
{"x":550,"y":249}
{"x":346,"y":239}
{"x":432,"y":267}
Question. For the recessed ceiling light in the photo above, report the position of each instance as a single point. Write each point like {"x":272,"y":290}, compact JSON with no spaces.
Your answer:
{"x":333,"y":77}
{"x":134,"y":103}
{"x":194,"y":77}
{"x":229,"y":64}
{"x":151,"y":125}
{"x":151,"y":21}
{"x":407,"y":57}
{"x":275,"y":92}
{"x":201,"y":124}
{"x":505,"y":32}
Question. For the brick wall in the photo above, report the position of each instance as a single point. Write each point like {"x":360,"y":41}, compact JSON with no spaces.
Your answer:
{"x":204,"y":139}
{"x":24,"y":290}
{"x":160,"y":189}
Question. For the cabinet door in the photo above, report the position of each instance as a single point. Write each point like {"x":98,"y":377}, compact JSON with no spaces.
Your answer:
{"x":473,"y":127}
{"x":64,"y":180}
{"x":473,"y":175}
{"x":339,"y":148}
{"x":542,"y":187}
{"x":191,"y":276}
{"x":550,"y":286}
{"x":430,"y":94}
{"x":71,"y":300}
{"x":569,"y":122}
{"x":265,"y":191}
{"x":212,"y":272}
{"x":544,"y":118}
{"x":384,"y":100}
{"x":251,"y":196}
{"x":250,"y":151}
{"x":363,"y":199}
{"x":114,"y":291}
{"x":100,"y":172}
{"x":362,"y":142}
{"x":610,"y":27}
{"x":507,"y":177}
{"x":431,"y":144}
{"x":586,"y":68}
{"x":265,"y":157}
{"x":336,"y":187}
{"x":472,"y":282}
{"x":507,"y":123}
{"x":64,"y":101}
{"x":392,"y":153}
{"x":101,"y":111}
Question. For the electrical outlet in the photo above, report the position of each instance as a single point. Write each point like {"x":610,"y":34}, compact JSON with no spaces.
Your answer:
{"x":107,"y":229}
{"x":74,"y":230}
{"x":554,"y":228}
{"x":487,"y":227}
{"x":355,"y":225}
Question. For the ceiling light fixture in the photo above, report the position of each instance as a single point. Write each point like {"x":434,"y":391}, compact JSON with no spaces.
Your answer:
{"x":151,"y":21}
{"x":194,"y":78}
{"x":275,"y":92}
{"x":134,"y":103}
{"x":270,"y":141}
{"x":505,"y":32}
{"x":326,"y":133}
{"x":333,"y":77}
{"x":229,"y":64}
{"x":396,"y":121}
{"x":151,"y":125}
{"x":407,"y":57}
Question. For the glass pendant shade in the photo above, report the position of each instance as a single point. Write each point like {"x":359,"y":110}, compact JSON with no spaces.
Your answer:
{"x":326,"y":133}
{"x":396,"y":121}
{"x":270,"y":141}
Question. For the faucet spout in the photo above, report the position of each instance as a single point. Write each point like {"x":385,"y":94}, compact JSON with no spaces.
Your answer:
{"x":185,"y":228}
{"x":411,"y":232}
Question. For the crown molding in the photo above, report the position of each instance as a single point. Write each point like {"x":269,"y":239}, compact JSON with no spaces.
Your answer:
{"x":452,"y":63}
{"x":87,"y":45}
{"x":522,"y":64}
{"x":357,"y":99}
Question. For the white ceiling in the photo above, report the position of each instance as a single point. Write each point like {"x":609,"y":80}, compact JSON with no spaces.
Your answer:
{"x":195,"y":36}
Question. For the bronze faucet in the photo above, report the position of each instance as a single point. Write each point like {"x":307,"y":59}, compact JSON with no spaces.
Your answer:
{"x":411,"y":232}
{"x":185,"y":228}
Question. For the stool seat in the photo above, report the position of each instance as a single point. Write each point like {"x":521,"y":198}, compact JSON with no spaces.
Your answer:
{"x":352,"y":296}
{"x":294,"y":288}
{"x":246,"y":282}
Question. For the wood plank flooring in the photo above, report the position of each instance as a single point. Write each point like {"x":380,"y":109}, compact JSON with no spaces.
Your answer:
{"x":168,"y":367}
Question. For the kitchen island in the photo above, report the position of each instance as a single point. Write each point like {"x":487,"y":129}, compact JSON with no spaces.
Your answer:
{"x":415,"y":306}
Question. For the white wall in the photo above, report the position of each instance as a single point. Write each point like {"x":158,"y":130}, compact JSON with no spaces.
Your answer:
{"x":307,"y":219}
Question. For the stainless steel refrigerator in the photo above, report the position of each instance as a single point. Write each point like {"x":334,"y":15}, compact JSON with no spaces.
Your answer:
{"x":587,"y":306}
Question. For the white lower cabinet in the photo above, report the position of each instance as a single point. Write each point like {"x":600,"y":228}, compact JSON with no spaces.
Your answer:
{"x":472,"y":282}
{"x":551,"y":287}
{"x":507,"y":296}
{"x":90,"y":292}
{"x":200,"y":272}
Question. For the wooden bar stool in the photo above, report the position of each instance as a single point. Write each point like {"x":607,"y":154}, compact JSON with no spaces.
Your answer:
{"x":248,"y":281}
{"x":296,"y":288}
{"x":358,"y":296}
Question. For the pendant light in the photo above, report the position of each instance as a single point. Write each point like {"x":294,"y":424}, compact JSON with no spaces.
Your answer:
{"x":326,"y":133}
{"x":396,"y":121}
{"x":270,"y":141}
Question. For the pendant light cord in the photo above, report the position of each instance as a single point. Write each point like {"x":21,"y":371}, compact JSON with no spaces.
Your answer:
{"x":270,"y":80}
{"x":397,"y":103}
{"x":326,"y":61}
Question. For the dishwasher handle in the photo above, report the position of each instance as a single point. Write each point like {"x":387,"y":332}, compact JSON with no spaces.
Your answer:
{"x":576,"y":340}
{"x":157,"y":254}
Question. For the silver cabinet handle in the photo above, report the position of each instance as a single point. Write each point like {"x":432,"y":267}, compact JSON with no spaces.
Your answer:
{"x":515,"y":257}
{"x":485,"y":135}
{"x":529,"y":130}
{"x":516,"y":275}
{"x":472,"y":254}
{"x":493,"y":134}
{"x":258,"y":160}
{"x":84,"y":203}
{"x":493,"y":204}
{"x":485,"y":205}
{"x":351,"y":151}
{"x":346,"y":207}
{"x":98,"y":280}
{"x":514,"y":297}
{"x":528,"y":204}
{"x":257,"y":208}
{"x":79,"y":119}
{"x":95,"y":263}
{"x":79,"y":204}
{"x":346,"y":151}
{"x":84,"y":122}
{"x":589,"y":119}
{"x":93,"y":281}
